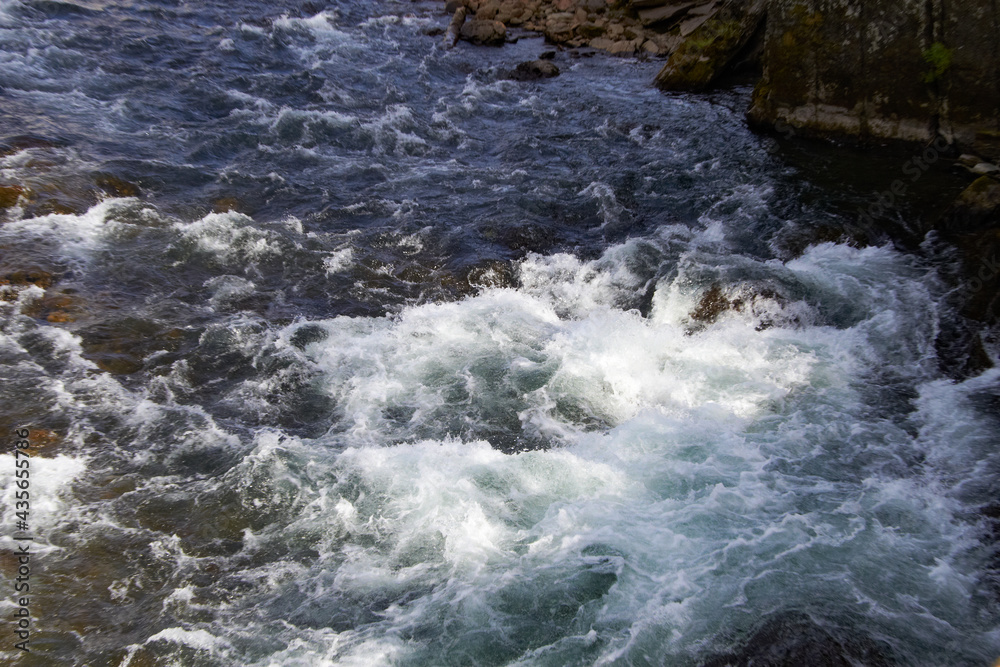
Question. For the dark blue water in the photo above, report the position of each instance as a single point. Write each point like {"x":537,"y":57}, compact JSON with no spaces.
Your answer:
{"x":341,"y":348}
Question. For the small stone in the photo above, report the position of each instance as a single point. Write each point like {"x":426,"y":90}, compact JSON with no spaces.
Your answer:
{"x":559,"y":28}
{"x":510,"y":12}
{"x":649,"y":46}
{"x":623,"y":47}
{"x":602,"y":43}
{"x":590,"y":30}
{"x":969,"y":161}
{"x":985,"y":168}
{"x":547,"y":55}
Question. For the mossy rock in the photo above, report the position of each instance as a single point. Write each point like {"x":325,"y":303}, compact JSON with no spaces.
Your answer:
{"x":976,"y":209}
{"x":702,"y":57}
{"x":708,"y":52}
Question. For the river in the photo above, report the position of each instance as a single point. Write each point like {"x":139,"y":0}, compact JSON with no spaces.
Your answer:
{"x":349,"y":350}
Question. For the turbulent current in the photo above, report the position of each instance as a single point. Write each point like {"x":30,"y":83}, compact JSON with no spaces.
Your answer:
{"x":341,"y":348}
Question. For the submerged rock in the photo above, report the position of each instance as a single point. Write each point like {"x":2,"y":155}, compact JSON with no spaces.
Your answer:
{"x":122,"y":348}
{"x":115,"y":186}
{"x":55,"y":307}
{"x":15,"y":144}
{"x":27,"y":277}
{"x":797,"y":639}
{"x":9,"y":195}
{"x":534,"y":70}
{"x":712,"y":304}
{"x":764,"y":305}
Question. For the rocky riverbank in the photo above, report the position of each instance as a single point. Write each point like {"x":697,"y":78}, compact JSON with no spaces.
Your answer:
{"x":916,"y":72}
{"x":660,"y":28}
{"x":910,"y":71}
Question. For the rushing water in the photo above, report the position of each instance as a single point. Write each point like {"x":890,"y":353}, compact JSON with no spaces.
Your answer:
{"x":358,"y":353}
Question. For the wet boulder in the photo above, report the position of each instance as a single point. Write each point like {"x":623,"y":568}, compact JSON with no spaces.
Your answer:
{"x":976,"y":209}
{"x":516,"y":12}
{"x":454,"y":30}
{"x":972,"y":223}
{"x":483,"y":32}
{"x":534,"y":70}
{"x":714,"y":35}
{"x":560,"y":27}
{"x":9,"y":195}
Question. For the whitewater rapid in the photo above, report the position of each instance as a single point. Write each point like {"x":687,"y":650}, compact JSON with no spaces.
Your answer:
{"x":375,"y":357}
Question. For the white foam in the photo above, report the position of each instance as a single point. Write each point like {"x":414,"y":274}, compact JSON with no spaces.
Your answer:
{"x":49,"y":485}
{"x":604,"y":195}
{"x":321,"y":25}
{"x":226,"y":289}
{"x":700,"y":464}
{"x":200,"y":640}
{"x":76,"y":236}
{"x":230,"y":236}
{"x":338,"y":261}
